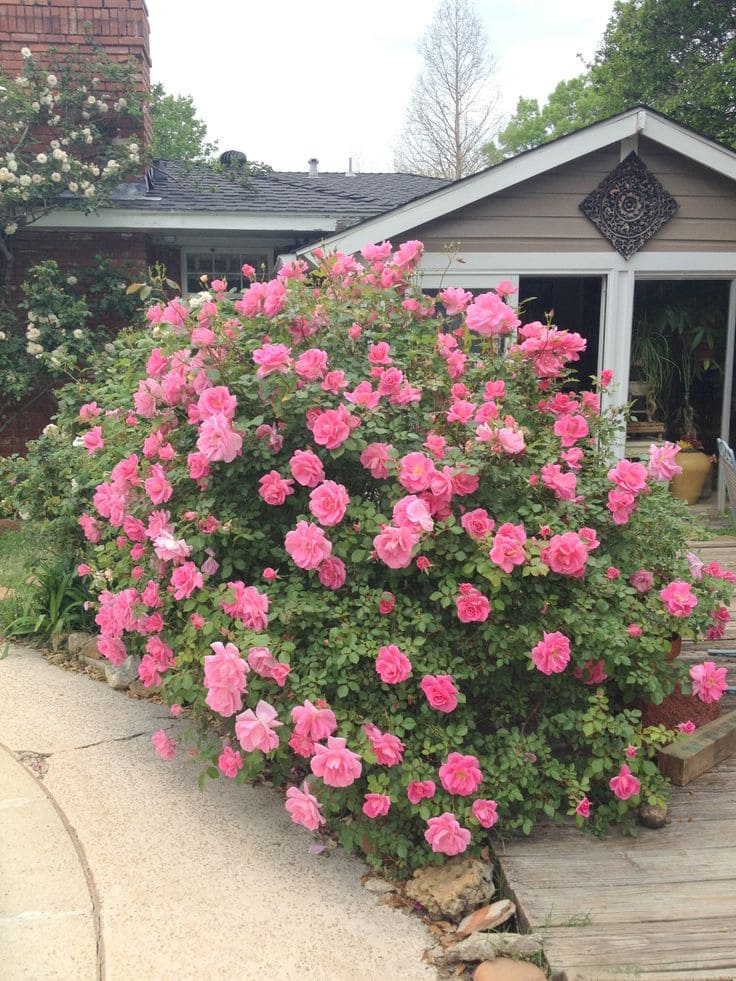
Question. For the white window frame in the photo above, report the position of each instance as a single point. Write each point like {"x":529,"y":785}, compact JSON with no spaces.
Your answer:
{"x":246,"y":254}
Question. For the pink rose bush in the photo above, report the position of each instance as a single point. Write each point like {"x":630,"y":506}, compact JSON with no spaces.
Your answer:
{"x":390,"y":559}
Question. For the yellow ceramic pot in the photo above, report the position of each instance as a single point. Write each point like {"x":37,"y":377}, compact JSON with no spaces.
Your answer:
{"x":688,"y":485}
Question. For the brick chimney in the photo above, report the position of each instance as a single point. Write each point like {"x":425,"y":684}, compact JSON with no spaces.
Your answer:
{"x":119,"y":27}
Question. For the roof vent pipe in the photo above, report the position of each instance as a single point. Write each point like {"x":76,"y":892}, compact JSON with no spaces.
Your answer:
{"x":350,"y":172}
{"x":313,"y":172}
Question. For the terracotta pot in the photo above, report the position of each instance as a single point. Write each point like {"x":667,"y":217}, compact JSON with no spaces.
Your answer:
{"x":688,"y":485}
{"x":679,"y":706}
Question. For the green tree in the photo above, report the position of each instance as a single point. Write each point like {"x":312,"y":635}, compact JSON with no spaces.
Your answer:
{"x":177,"y":132}
{"x":677,"y":56}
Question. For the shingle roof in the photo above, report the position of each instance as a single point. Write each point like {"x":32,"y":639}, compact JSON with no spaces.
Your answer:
{"x":177,"y":187}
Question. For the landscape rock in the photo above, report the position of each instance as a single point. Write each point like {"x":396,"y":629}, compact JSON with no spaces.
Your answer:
{"x":488,"y":946}
{"x":504,"y":969}
{"x":378,"y":886}
{"x":138,"y":688}
{"x":652,"y":816}
{"x":120,"y":675}
{"x":96,"y":666}
{"x":486,"y":918}
{"x":77,"y":640}
{"x":451,"y":890}
{"x":89,"y":650}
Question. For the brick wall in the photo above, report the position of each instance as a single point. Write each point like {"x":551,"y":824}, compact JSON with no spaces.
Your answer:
{"x":24,"y":421}
{"x":120,"y":27}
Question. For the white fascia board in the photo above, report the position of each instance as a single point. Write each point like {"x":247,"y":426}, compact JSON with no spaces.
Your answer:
{"x":125,"y":219}
{"x":693,"y":145}
{"x":472,"y":189}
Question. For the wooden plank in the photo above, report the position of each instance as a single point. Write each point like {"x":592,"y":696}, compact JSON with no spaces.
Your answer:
{"x":693,"y":755}
{"x":680,"y":945}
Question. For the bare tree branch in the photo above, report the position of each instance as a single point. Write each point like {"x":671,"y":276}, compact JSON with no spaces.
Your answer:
{"x":453,"y":108}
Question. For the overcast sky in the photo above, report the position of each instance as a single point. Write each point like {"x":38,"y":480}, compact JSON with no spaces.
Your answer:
{"x":285,"y":80}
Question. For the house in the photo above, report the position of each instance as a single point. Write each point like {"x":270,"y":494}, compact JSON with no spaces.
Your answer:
{"x":595,"y":226}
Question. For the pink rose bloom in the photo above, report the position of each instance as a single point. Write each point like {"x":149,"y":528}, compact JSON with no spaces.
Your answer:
{"x":394,"y":546}
{"x":709,"y":682}
{"x":563,"y":485}
{"x":229,"y":762}
{"x":306,"y":468}
{"x":328,"y":503}
{"x":412,"y":512}
{"x":460,"y":774}
{"x":274,"y":489}
{"x":170,"y":549}
{"x":375,"y":458}
{"x":307,"y":545}
{"x":621,"y":504}
{"x":332,"y":427}
{"x":508,"y":547}
{"x":270,"y":574}
{"x":445,"y":835}
{"x":303,"y":807}
{"x":91,"y":528}
{"x":662,"y":464}
{"x":376,"y":805}
{"x":408,"y":254}
{"x":485,"y":812}
{"x":488,"y":316}
{"x":88,"y":411}
{"x":248,"y":605}
{"x":686,"y":727}
{"x":679,"y":598}
{"x":570,"y":428}
{"x":455,"y":300}
{"x":262,"y":661}
{"x":634,"y":630}
{"x":566,"y":554}
{"x":440,"y":691}
{"x":198,"y":466}
{"x":510,"y":440}
{"x":472,"y":606}
{"x":335,"y":763}
{"x":419,"y":790}
{"x":185,"y":579}
{"x":552,"y":654}
{"x":416,"y":472}
{"x":217,"y":441}
{"x":629,"y":476}
{"x":477,"y":523}
{"x":83,"y":569}
{"x":332,"y":572}
{"x":164,"y":745}
{"x":217,"y":400}
{"x":157,"y":486}
{"x":311,"y":364}
{"x":334,"y":381}
{"x":392,"y":665}
{"x":255,"y":730}
{"x":387,"y":747}
{"x":313,"y":722}
{"x":583,"y":807}
{"x":642,"y":580}
{"x":272,"y":358}
{"x":625,"y":784}
{"x":196,"y":621}
{"x":606,"y":377}
{"x":93,"y":440}
{"x":224,"y":679}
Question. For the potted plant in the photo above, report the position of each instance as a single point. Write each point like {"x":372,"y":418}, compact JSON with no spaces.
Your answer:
{"x":696,"y":466}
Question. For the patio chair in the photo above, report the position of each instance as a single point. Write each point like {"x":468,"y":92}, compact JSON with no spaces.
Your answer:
{"x":726,"y":456}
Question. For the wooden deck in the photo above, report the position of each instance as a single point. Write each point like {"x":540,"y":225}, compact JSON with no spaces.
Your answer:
{"x":659,"y":906}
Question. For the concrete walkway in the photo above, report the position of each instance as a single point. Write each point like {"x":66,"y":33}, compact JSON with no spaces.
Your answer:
{"x":114,"y":867}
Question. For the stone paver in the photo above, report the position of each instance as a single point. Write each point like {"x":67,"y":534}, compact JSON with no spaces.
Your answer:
{"x":214,"y":885}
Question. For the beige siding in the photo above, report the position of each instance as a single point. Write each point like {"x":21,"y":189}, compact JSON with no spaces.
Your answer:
{"x":542,"y":214}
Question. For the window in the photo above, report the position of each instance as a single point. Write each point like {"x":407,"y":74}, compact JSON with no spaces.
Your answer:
{"x":220,"y":264}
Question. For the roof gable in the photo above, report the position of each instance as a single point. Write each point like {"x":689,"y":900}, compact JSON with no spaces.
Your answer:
{"x":639,"y":121}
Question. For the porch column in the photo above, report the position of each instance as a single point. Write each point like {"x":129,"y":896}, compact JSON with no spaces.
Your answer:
{"x":726,"y":434}
{"x":619,"y":311}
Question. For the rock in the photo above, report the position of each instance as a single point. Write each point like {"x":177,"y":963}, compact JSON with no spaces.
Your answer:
{"x":487,"y":946}
{"x":378,"y":886}
{"x":96,"y":666}
{"x":486,"y":918}
{"x":453,"y":889}
{"x":120,"y":675}
{"x":139,"y":689}
{"x":77,"y":640}
{"x":89,"y":650}
{"x":503,"y":969}
{"x":652,"y":816}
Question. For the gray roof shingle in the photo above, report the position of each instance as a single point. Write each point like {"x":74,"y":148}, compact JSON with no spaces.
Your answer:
{"x":175,"y":187}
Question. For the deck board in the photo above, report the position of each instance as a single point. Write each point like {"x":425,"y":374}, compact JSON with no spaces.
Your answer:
{"x":658,"y":907}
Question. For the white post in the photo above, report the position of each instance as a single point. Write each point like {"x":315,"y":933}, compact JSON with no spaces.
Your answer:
{"x":617,"y":339}
{"x":727,"y":390}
